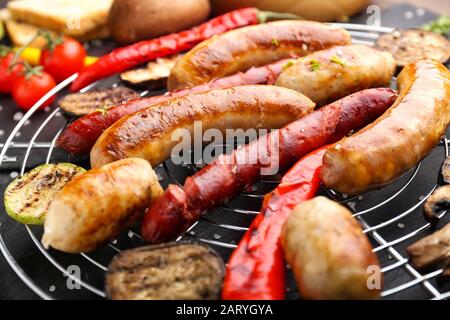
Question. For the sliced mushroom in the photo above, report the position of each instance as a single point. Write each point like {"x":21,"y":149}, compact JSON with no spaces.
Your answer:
{"x":446,"y":170}
{"x":432,"y":249}
{"x":437,"y":203}
{"x":153,"y":76}
{"x":410,"y":45}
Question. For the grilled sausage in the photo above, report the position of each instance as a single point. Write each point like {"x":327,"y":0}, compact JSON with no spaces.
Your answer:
{"x":80,"y":135}
{"x":327,"y":75}
{"x":238,"y":50}
{"x":399,"y":139}
{"x":229,"y":174}
{"x":328,"y":253}
{"x":96,"y":205}
{"x":148,"y":133}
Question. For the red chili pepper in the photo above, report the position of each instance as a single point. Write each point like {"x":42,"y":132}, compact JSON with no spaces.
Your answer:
{"x":124,"y":58}
{"x":256,"y":269}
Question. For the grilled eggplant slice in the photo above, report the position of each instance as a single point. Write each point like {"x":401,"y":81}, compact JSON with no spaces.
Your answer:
{"x":170,"y":271}
{"x":153,"y":76}
{"x":80,"y":104}
{"x":410,"y":45}
{"x":28,"y":197}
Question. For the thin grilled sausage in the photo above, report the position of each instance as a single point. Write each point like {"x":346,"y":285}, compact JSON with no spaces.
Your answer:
{"x":241,"y":49}
{"x":330,"y":256}
{"x":230,"y":174}
{"x":149,"y":133}
{"x":95,"y":206}
{"x":327,"y":75}
{"x":399,"y":139}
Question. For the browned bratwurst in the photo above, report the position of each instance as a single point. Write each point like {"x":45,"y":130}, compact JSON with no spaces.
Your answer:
{"x":241,"y":49}
{"x":399,"y":139}
{"x":149,"y":133}
{"x":330,"y":256}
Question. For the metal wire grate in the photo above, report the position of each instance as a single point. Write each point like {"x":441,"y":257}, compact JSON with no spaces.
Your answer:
{"x":391,"y":217}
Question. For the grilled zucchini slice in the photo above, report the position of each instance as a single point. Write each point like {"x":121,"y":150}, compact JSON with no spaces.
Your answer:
{"x":28,"y":197}
{"x":171,"y":271}
{"x":410,"y":45}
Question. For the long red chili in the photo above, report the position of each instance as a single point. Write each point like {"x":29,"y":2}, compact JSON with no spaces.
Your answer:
{"x":127,"y":57}
{"x":256,"y":269}
{"x":80,"y":136}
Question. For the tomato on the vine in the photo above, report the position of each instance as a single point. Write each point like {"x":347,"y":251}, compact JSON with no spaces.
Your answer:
{"x":10,"y":71}
{"x":32,"y":86}
{"x":63,"y":57}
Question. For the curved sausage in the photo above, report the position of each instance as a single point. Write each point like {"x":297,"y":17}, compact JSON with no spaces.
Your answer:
{"x":240,"y":49}
{"x":80,"y":135}
{"x":399,"y":139}
{"x":93,"y":207}
{"x":230,"y":174}
{"x":330,"y":256}
{"x":149,"y":133}
{"x":327,"y":75}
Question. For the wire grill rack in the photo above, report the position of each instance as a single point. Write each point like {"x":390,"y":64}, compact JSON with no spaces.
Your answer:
{"x":391,"y":216}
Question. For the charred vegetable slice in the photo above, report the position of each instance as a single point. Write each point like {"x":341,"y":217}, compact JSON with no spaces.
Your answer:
{"x":437,"y":203}
{"x":80,"y":104}
{"x":410,"y":45}
{"x":446,"y":170}
{"x":28,"y":197}
{"x":432,"y":249}
{"x":153,"y":76}
{"x":170,"y":271}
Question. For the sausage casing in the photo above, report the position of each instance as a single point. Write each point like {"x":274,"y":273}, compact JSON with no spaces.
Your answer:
{"x":327,"y":75}
{"x":80,"y":135}
{"x":241,"y":49}
{"x":95,"y":206}
{"x":232,"y":173}
{"x":328,"y":252}
{"x":148,"y":133}
{"x":399,"y":139}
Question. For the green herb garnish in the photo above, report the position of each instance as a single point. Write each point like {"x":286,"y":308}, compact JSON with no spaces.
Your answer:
{"x":103,"y":110}
{"x":337,"y":60}
{"x":315,"y":65}
{"x":441,"y":25}
{"x":288,"y":64}
{"x":275,"y":42}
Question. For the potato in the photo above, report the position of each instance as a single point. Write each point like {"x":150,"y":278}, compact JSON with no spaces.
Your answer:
{"x":324,"y":10}
{"x":134,"y":20}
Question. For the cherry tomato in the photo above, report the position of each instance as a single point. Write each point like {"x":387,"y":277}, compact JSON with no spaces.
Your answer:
{"x":8,"y":76}
{"x":64,"y":60}
{"x":28,"y":90}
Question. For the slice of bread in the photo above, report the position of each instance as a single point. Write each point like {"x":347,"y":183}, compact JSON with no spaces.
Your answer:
{"x":20,"y":32}
{"x":75,"y":18}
